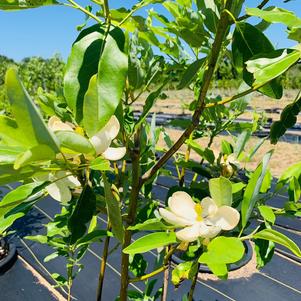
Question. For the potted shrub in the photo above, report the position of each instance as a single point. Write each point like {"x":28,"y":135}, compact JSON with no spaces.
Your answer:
{"x":87,"y":150}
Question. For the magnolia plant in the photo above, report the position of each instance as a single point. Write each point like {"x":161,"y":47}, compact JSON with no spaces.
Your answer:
{"x":89,"y":150}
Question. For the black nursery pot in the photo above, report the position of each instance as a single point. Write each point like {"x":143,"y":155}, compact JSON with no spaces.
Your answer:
{"x":179,"y":257}
{"x":11,"y":255}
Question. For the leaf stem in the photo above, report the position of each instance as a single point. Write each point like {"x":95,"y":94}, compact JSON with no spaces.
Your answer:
{"x":193,"y":284}
{"x":159,"y":270}
{"x":132,"y":211}
{"x":103,"y":264}
{"x":85,"y":11}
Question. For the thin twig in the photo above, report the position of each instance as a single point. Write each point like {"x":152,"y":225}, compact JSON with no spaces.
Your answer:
{"x":246,"y":16}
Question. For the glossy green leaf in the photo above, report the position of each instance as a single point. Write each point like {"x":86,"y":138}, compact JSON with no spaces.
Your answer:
{"x":26,"y":113}
{"x":83,"y":212}
{"x":292,"y":171}
{"x":151,"y":241}
{"x":221,"y":251}
{"x":279,"y":238}
{"x":267,"y":213}
{"x":151,"y":224}
{"x":271,"y":65}
{"x":275,"y":15}
{"x":253,"y":188}
{"x":182,"y":271}
{"x":114,"y":211}
{"x":24,"y":4}
{"x":190,"y":73}
{"x":19,"y":195}
{"x":248,"y":41}
{"x":8,"y":154}
{"x":241,"y":141}
{"x":81,"y":66}
{"x":112,"y":72}
{"x":9,"y":175}
{"x":74,"y":142}
{"x":221,"y":191}
{"x":100,"y":164}
{"x":288,"y":119}
{"x":11,"y":134}
{"x":92,"y":237}
{"x":227,"y":148}
{"x":35,"y":154}
{"x":206,"y":153}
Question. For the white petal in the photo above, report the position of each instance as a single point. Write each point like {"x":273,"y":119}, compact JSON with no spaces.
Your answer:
{"x":55,"y":124}
{"x":59,"y":192}
{"x":173,"y":219}
{"x":226,"y":218}
{"x":208,"y":231}
{"x":101,"y":141}
{"x":181,"y":204}
{"x":112,"y":127}
{"x":189,"y":234}
{"x":209,"y":207}
{"x":114,"y":153}
{"x":72,"y":182}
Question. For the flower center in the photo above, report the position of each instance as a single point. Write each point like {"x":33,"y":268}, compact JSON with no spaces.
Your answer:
{"x":198,"y":209}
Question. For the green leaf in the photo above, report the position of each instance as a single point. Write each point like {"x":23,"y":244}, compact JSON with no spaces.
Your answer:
{"x":9,"y":175}
{"x":8,"y":154}
{"x":270,"y":65}
{"x":248,"y":41}
{"x":221,"y":191}
{"x":279,"y":238}
{"x":221,"y":251}
{"x":100,"y":164}
{"x":114,"y":211}
{"x":11,"y":135}
{"x":182,"y":271}
{"x":82,"y":213}
{"x":24,"y":4}
{"x":92,"y":237}
{"x":19,"y":195}
{"x":112,"y":72}
{"x":267,"y":213}
{"x":275,"y":15}
{"x":206,"y":153}
{"x":253,"y":188}
{"x":190,"y":73}
{"x":151,"y":241}
{"x":227,"y":148}
{"x":91,"y":108}
{"x":37,"y":153}
{"x":74,"y":142}
{"x":81,"y":66}
{"x":264,"y":251}
{"x":151,"y":224}
{"x":288,"y":119}
{"x":26,"y":113}
{"x":241,"y":141}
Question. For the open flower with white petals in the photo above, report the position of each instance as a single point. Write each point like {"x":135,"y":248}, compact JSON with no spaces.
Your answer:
{"x":63,"y":181}
{"x":204,"y":219}
{"x":101,"y":141}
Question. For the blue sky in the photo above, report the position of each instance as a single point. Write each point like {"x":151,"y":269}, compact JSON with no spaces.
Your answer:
{"x":49,"y":30}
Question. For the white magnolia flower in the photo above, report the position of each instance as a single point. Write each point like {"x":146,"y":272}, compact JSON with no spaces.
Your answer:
{"x":101,"y":141}
{"x":63,"y":181}
{"x":203,"y":219}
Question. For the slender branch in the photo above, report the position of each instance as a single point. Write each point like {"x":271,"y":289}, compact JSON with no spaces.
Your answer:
{"x":135,"y":155}
{"x":88,"y":13}
{"x":217,"y":44}
{"x":194,"y":280}
{"x":159,"y":270}
{"x":182,"y":175}
{"x":166,"y":278}
{"x":103,"y":264}
{"x":260,"y":6}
